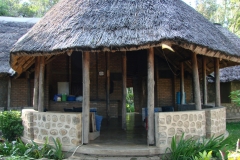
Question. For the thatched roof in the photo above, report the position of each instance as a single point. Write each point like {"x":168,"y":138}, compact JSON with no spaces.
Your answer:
{"x":110,"y":25}
{"x":11,"y":29}
{"x":228,"y":74}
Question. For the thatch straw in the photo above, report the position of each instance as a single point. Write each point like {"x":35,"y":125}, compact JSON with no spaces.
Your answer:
{"x":11,"y":29}
{"x":228,"y":74}
{"x":100,"y":25}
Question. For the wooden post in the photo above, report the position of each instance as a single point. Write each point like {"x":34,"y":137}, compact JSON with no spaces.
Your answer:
{"x":156,"y":75}
{"x":28,"y":88}
{"x":204,"y":80}
{"x":196,"y":87}
{"x":150,"y":96}
{"x":107,"y":86}
{"x":36,"y":84}
{"x":86,"y":96}
{"x":182,"y":83}
{"x":41,"y":84}
{"x":97,"y":72}
{"x":174,"y":92}
{"x":9,"y":93}
{"x":70,"y":73}
{"x":217,"y":83}
{"x":124,"y":87}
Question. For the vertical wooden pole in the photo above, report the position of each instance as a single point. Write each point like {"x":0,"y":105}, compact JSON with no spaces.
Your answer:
{"x":28,"y":89}
{"x":41,"y":84}
{"x":86,"y":96}
{"x":182,"y":83}
{"x":124,"y":87}
{"x":150,"y":96}
{"x":97,"y":76}
{"x":36,"y":84}
{"x":70,"y":73}
{"x":9,"y":93}
{"x":217,"y":83}
{"x":156,"y":75}
{"x":196,"y":87}
{"x":204,"y":80}
{"x":174,"y":92}
{"x":107,"y":86}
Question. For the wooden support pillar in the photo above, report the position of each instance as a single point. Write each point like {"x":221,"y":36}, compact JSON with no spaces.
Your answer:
{"x":156,"y":75}
{"x":174,"y":92}
{"x":107,"y":86}
{"x":150,"y":96}
{"x":86,"y":96}
{"x":9,"y":93}
{"x":196,"y":87}
{"x":36,"y":84}
{"x":182,"y":83}
{"x":204,"y":83}
{"x":124,"y":87}
{"x":28,"y":88}
{"x":41,"y":84}
{"x":217,"y":83}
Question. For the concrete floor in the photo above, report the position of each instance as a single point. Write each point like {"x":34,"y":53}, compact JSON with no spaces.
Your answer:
{"x":116,"y":143}
{"x":112,"y":133}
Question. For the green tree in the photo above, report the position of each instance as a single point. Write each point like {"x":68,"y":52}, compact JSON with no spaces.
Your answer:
{"x":40,"y":7}
{"x":225,"y":12}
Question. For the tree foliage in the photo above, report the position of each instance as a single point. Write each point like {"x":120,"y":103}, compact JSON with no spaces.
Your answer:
{"x":225,"y":12}
{"x":25,"y":8}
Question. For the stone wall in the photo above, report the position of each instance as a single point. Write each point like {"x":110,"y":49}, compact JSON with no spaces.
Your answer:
{"x":67,"y":127}
{"x":215,"y":121}
{"x":204,"y":123}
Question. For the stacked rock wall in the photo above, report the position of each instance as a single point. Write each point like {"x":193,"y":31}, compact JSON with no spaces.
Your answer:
{"x":67,"y":127}
{"x":215,"y":121}
{"x":197,"y":124}
{"x":168,"y":124}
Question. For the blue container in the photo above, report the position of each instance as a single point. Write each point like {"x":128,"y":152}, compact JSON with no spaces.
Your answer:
{"x":155,"y":110}
{"x":98,"y":122}
{"x":71,"y":98}
{"x":179,"y":98}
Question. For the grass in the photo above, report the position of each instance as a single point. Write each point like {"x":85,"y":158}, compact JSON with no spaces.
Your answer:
{"x":233,"y":129}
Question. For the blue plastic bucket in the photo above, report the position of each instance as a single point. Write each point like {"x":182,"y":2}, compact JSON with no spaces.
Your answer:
{"x":98,"y":122}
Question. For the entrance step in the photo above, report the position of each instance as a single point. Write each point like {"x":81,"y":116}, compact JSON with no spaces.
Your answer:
{"x":118,"y":150}
{"x":85,"y":157}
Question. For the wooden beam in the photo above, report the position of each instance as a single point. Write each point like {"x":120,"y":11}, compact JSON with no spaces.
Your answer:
{"x":167,"y":59}
{"x":41,"y":84}
{"x":86,"y":96}
{"x":217,"y":83}
{"x":36,"y":84}
{"x":107,"y":86}
{"x":150,"y":96}
{"x":204,"y":83}
{"x":124,"y":87}
{"x":9,"y":93}
{"x":196,"y":87}
{"x":182,"y":83}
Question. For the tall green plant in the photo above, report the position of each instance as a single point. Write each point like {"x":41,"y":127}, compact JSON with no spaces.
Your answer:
{"x":11,"y":125}
{"x":188,"y":149}
{"x":235,"y":97}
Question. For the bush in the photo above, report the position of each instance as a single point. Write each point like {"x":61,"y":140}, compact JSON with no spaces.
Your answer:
{"x":235,"y":97}
{"x":11,"y":125}
{"x":20,"y":151}
{"x":188,"y":149}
